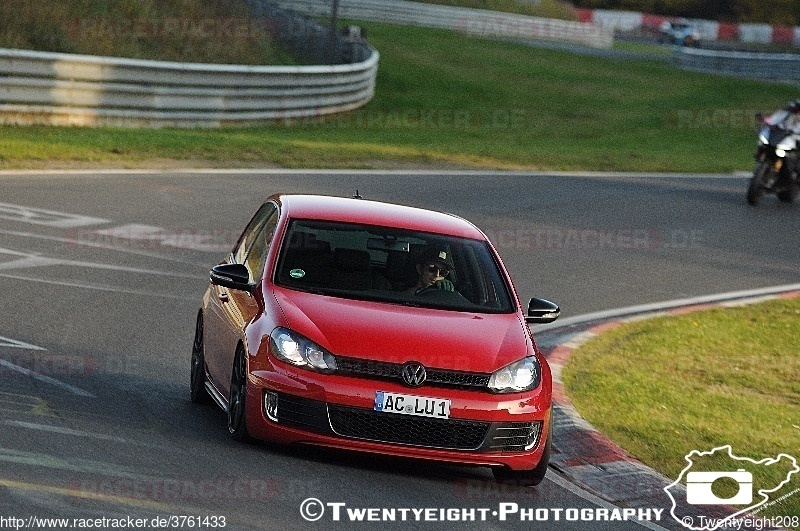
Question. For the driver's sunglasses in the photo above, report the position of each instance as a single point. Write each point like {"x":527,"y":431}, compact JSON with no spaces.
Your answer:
{"x":440,"y":271}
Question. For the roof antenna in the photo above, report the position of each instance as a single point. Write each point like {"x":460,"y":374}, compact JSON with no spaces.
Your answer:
{"x":357,"y":196}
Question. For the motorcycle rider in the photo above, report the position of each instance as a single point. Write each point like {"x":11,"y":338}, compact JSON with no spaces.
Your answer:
{"x":787,"y":118}
{"x":777,"y":162}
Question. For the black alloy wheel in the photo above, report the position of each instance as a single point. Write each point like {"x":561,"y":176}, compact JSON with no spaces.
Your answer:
{"x":197,"y":385}
{"x":237,"y":417}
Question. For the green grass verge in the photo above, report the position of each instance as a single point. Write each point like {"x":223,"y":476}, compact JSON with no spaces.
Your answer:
{"x":643,"y":48}
{"x":663,"y":387}
{"x":449,"y":100}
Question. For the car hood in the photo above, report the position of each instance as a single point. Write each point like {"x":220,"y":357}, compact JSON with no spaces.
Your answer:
{"x":464,"y":341}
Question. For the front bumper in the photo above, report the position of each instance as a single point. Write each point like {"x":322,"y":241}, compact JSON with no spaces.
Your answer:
{"x":337,"y":411}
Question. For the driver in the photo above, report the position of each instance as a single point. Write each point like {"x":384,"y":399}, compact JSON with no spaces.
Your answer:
{"x":432,"y":269}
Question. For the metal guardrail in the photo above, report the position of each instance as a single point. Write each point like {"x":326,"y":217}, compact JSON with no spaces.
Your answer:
{"x":782,"y":67}
{"x":68,"y":89}
{"x":475,"y":22}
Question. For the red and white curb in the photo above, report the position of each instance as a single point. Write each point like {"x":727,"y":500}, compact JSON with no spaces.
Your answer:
{"x":589,"y":458}
{"x":709,"y":29}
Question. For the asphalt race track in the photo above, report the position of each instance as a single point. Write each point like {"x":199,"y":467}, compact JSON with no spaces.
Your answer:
{"x":101,"y":275}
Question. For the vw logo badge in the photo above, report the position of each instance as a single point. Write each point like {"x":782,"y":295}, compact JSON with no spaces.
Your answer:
{"x":414,"y":374}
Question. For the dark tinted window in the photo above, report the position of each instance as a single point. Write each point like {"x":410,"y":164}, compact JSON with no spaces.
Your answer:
{"x":384,"y":264}
{"x":252,"y":249}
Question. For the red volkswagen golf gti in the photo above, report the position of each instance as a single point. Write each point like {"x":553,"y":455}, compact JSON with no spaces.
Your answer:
{"x":375,"y":327}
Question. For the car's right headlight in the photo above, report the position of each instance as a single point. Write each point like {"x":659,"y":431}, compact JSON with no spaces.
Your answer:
{"x":522,"y":375}
{"x":291,"y":347}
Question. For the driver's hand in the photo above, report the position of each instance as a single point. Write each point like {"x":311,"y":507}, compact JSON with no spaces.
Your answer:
{"x":445,"y":285}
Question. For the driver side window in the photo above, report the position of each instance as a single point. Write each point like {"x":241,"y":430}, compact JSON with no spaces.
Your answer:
{"x":252,"y":249}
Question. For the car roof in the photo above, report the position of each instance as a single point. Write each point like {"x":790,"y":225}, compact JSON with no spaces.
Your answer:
{"x":328,"y":208}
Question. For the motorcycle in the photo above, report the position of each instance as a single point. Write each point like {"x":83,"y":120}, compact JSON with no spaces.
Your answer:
{"x":777,"y":157}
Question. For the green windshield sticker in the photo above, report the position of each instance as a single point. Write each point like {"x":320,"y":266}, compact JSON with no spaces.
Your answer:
{"x":297,"y":273}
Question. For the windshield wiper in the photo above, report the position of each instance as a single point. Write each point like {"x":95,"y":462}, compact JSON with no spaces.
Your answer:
{"x":412,"y":304}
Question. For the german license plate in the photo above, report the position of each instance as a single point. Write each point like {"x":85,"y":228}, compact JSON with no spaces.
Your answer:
{"x":438,"y":408}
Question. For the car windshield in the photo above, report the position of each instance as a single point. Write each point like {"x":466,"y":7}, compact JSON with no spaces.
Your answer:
{"x":388,"y":265}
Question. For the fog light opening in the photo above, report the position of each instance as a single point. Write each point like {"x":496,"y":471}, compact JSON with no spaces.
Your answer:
{"x":533,"y":438}
{"x":271,"y":405}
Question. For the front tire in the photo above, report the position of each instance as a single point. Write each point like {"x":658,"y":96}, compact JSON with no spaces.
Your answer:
{"x":197,"y":385}
{"x":790,"y":194}
{"x":526,"y":478}
{"x":237,"y":403}
{"x":755,"y":192}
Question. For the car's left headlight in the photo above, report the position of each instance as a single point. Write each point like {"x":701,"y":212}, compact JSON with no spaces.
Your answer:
{"x":522,"y":375}
{"x":291,"y":347}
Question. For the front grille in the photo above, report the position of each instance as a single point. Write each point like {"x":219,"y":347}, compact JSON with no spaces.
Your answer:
{"x":401,"y":429}
{"x":458,"y":379}
{"x":366,"y":424}
{"x":393,"y":371}
{"x":378,"y":369}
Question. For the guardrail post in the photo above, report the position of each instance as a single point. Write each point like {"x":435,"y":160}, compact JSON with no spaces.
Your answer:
{"x":332,"y":59}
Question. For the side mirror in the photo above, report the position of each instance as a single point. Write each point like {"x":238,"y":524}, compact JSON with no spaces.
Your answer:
{"x":541,"y":311}
{"x":233,"y":276}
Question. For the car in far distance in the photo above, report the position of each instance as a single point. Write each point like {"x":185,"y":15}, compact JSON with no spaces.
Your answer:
{"x":680,"y":33}
{"x":375,"y":327}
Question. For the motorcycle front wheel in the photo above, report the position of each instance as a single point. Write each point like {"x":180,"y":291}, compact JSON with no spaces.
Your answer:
{"x":756,"y":189}
{"x":790,"y":194}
